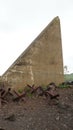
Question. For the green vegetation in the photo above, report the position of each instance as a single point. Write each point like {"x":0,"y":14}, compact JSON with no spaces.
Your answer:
{"x":64,"y":86}
{"x":30,"y":95}
{"x":68,"y":77}
{"x":27,"y":90}
{"x":20,"y":90}
{"x":44,"y":87}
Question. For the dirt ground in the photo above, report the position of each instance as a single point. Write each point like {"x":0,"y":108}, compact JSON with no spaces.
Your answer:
{"x":39,"y":113}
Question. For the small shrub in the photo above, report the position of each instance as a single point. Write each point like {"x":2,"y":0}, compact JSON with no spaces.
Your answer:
{"x":44,"y":87}
{"x":30,"y":95}
{"x":20,"y":90}
{"x":64,"y":86}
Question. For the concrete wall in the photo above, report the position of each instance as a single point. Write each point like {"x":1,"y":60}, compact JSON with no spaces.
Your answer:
{"x":42,"y":62}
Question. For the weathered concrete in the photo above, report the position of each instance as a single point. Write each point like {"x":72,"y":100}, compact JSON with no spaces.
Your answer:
{"x":41,"y":62}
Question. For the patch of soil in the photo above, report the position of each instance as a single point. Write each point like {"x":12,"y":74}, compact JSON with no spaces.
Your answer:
{"x":39,"y":113}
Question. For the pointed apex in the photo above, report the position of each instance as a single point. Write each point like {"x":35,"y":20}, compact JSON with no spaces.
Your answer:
{"x":56,"y":20}
{"x":54,"y":24}
{"x":57,"y":17}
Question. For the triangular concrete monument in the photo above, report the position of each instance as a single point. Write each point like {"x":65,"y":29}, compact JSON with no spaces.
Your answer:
{"x":41,"y":63}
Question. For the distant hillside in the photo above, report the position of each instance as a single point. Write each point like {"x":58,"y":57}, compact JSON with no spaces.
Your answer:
{"x":68,"y":77}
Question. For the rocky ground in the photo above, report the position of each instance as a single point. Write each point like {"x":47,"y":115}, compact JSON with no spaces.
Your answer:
{"x":39,"y":113}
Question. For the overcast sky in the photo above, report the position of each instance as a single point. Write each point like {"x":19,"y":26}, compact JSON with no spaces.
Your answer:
{"x":22,"y":20}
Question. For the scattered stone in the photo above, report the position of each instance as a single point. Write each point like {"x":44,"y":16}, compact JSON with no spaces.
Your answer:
{"x":2,"y":129}
{"x":57,"y":118}
{"x":63,"y":106}
{"x":10,"y":117}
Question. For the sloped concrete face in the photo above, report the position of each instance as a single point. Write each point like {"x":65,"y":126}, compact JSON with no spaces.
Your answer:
{"x":42,"y":62}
